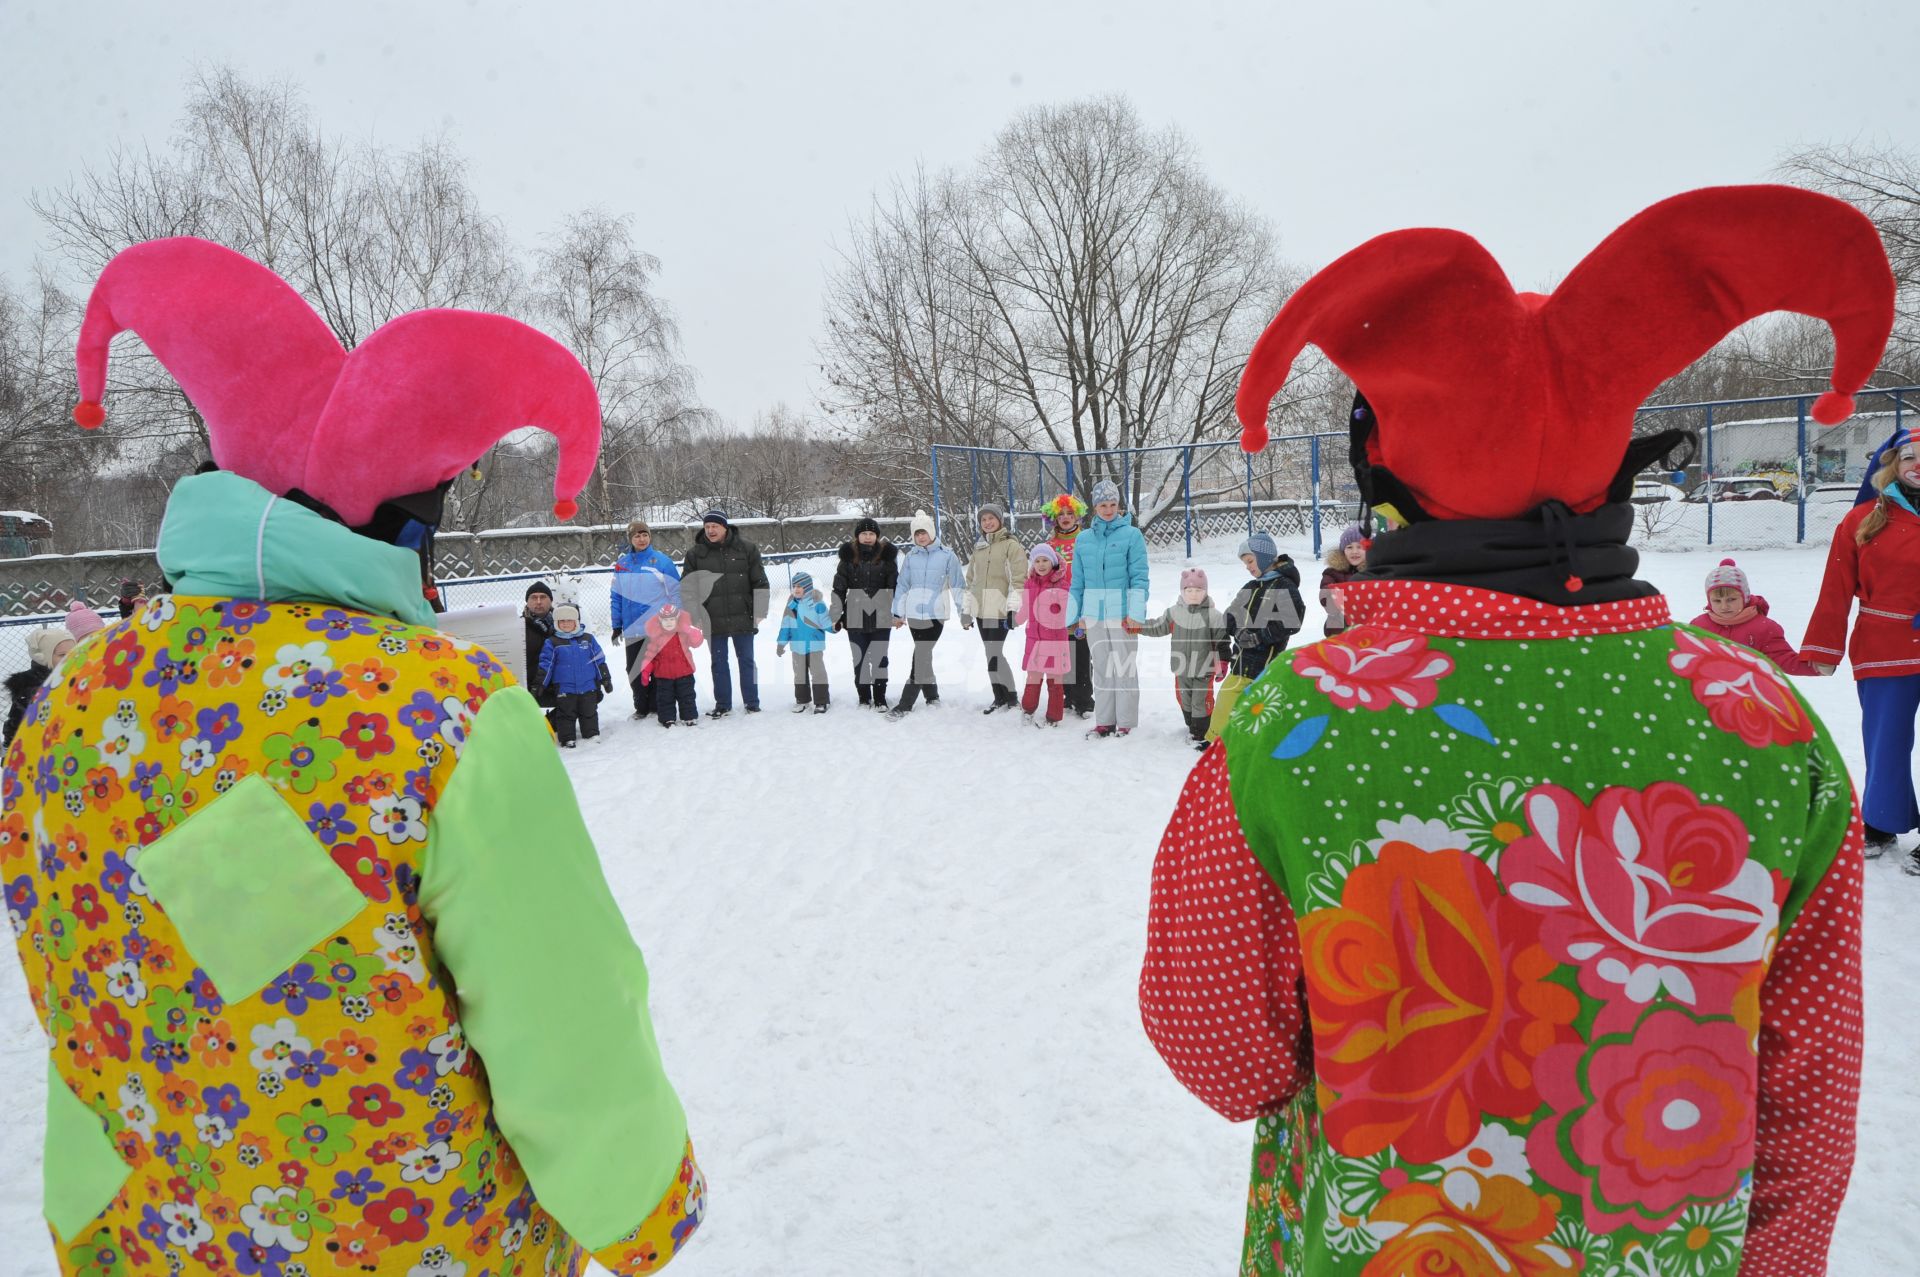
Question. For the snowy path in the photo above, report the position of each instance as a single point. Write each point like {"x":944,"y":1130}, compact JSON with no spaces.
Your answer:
{"x":894,"y":971}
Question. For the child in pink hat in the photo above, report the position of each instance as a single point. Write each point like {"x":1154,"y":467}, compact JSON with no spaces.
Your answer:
{"x":82,"y":620}
{"x":1735,"y":612}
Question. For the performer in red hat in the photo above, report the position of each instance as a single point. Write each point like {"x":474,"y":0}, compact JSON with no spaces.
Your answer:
{"x":1875,"y":558}
{"x":1569,"y":981}
{"x":330,"y":975}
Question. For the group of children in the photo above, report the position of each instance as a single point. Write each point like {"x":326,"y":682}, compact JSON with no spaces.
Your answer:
{"x":567,"y":668}
{"x":46,"y":647}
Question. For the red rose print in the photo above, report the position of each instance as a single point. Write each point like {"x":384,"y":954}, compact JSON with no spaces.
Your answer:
{"x":1741,"y":690}
{"x":1643,"y":892}
{"x":1371,"y":668}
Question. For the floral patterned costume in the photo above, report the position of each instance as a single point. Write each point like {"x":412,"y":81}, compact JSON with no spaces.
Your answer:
{"x":331,"y":980}
{"x":1518,"y":983}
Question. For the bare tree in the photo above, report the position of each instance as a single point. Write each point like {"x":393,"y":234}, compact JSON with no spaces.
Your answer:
{"x":594,"y":292}
{"x":1084,"y":288}
{"x":1885,"y":185}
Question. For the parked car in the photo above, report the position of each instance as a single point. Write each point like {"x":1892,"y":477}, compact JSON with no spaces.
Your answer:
{"x":1833,"y":494}
{"x":1654,"y":491}
{"x":1734,"y":490}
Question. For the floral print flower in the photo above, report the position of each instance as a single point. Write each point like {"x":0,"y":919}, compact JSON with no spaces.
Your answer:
{"x":367,"y":735}
{"x":228,"y":663}
{"x":1644,"y":892}
{"x":1649,"y":1121}
{"x":302,"y":759}
{"x":1467,"y":1224}
{"x":1741,"y":690}
{"x":316,"y":1135}
{"x":1371,"y":668}
{"x":361,"y":861}
{"x":1430,"y":999}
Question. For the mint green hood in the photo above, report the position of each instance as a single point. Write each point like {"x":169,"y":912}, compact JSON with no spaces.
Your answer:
{"x":228,"y":537}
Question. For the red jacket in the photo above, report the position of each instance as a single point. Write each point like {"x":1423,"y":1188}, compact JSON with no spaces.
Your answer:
{"x":1884,"y":574}
{"x":1755,"y":629}
{"x":666,"y":655}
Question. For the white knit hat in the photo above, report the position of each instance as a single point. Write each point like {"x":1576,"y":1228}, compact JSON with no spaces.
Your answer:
{"x":922,"y":522}
{"x":1728,"y":574}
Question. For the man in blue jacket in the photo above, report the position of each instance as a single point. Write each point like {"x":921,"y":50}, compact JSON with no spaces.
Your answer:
{"x":1108,"y":600}
{"x":643,"y":579}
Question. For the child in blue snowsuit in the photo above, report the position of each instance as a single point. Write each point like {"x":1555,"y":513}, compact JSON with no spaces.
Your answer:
{"x":644,"y":579}
{"x":803,"y":630}
{"x":573,"y":672}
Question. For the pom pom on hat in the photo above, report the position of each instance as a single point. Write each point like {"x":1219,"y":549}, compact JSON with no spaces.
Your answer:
{"x":83,"y":620}
{"x":1728,"y":574}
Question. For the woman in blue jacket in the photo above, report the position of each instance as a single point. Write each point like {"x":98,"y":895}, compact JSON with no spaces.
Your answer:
{"x":643,"y":579}
{"x":930,"y":574}
{"x":1108,"y":599}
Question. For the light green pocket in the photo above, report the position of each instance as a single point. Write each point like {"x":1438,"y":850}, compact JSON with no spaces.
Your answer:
{"x":249,"y":888}
{"x":81,"y":1172}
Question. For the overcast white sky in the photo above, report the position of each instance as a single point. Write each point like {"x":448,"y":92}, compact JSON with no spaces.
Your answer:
{"x":743,"y":136}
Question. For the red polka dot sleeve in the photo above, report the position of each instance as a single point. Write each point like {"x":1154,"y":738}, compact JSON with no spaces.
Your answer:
{"x":1220,"y":991}
{"x":1809,"y":1078}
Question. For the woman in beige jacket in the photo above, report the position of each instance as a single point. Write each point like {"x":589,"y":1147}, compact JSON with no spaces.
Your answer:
{"x":996,"y":574}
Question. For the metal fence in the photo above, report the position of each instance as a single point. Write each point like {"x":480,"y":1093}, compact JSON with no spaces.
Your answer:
{"x":1766,"y":474}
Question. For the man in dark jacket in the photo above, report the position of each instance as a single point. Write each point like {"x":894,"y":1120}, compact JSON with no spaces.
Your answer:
{"x":724,"y":582}
{"x":863,"y":606}
{"x":538,"y":618}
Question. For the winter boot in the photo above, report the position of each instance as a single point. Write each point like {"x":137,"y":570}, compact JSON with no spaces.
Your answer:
{"x":1099,"y":733}
{"x":880,"y":694}
{"x":1879,"y":843}
{"x":1911,"y":865}
{"x":718,"y":713}
{"x":799,"y":697}
{"x":821,"y":698}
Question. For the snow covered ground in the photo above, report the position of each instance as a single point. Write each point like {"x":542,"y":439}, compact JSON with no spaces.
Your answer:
{"x":894,"y":971}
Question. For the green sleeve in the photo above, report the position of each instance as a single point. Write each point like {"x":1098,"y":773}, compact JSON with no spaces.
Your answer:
{"x":552,"y":988}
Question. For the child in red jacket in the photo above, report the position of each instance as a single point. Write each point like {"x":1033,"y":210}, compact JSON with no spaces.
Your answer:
{"x":667,"y":665}
{"x":1735,"y":612}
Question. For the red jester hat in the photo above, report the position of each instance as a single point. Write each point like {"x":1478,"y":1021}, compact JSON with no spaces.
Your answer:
{"x":1457,"y":365}
{"x":413,"y":405}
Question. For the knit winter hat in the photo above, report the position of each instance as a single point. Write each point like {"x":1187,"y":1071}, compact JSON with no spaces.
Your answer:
{"x":996,"y":510}
{"x":636,"y":526}
{"x":1193,"y":579}
{"x":1105,"y":490}
{"x":1451,"y":358}
{"x":83,"y":620}
{"x":566,"y":612}
{"x":1352,"y":534}
{"x":1044,"y":551}
{"x":716,"y":516}
{"x":803,"y":579}
{"x":539,"y":587}
{"x":1065,"y":503}
{"x":667,"y":614}
{"x":1263,"y":549}
{"x":1728,"y":574}
{"x":41,"y":642}
{"x":417,"y":402}
{"x":921,"y":522}
{"x":866,"y":523}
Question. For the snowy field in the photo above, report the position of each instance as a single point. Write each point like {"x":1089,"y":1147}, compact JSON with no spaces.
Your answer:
{"x":894,"y":970}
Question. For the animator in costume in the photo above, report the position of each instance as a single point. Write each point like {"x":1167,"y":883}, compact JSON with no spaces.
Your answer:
{"x":1875,"y":558}
{"x":1571,"y":982}
{"x":300,"y":864}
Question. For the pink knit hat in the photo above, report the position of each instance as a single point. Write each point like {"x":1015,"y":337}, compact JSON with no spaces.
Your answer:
{"x":1728,"y":575}
{"x":418,"y":401}
{"x":1193,"y":579}
{"x":82,"y":620}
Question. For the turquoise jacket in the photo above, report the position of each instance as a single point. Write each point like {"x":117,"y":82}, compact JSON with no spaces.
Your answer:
{"x":1109,"y":572}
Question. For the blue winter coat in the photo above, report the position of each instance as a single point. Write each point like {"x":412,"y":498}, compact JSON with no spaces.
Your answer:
{"x":642,"y":581}
{"x":928,"y":573}
{"x":1109,"y":572}
{"x":804,"y":625}
{"x":572,"y":664}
